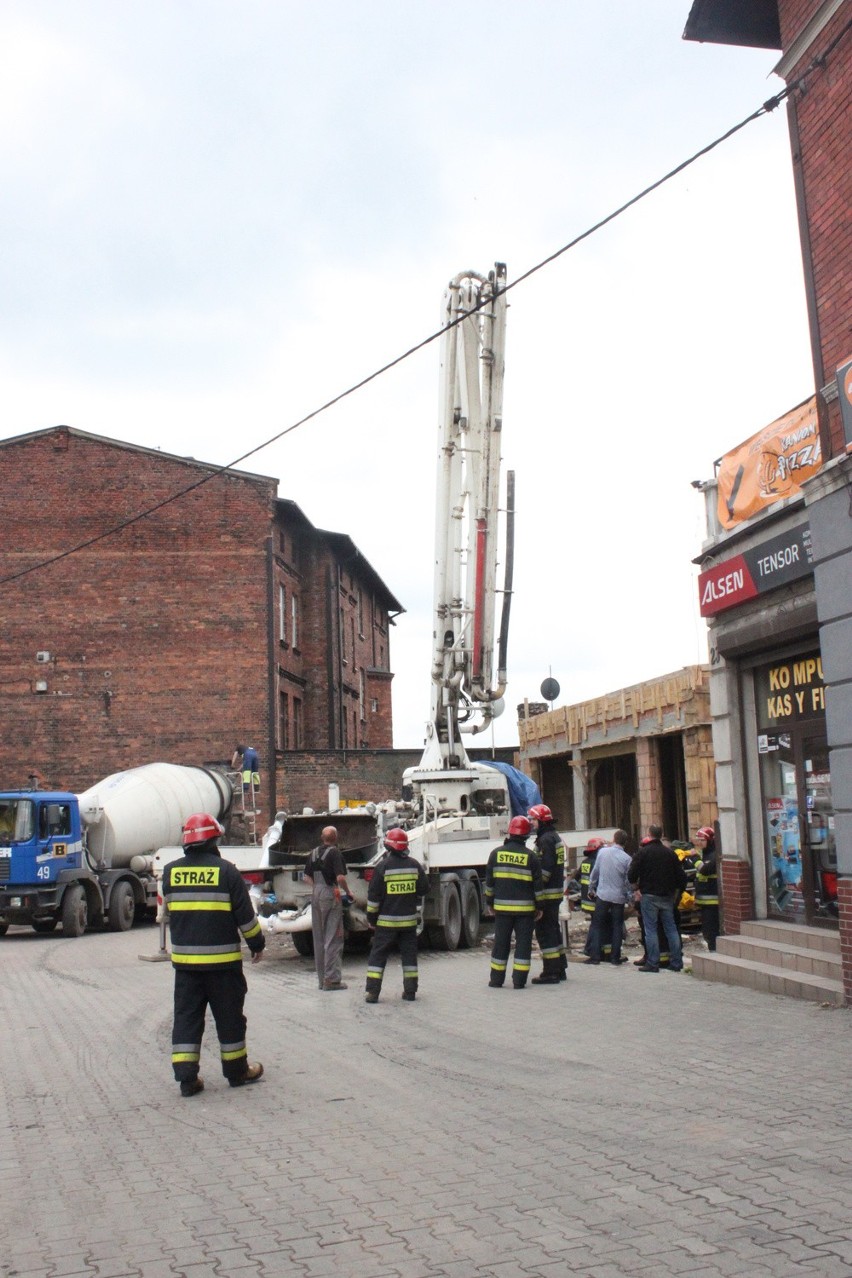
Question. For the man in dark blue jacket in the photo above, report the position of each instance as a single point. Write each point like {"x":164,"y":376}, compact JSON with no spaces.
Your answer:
{"x":209,"y":911}
{"x":396,"y":890}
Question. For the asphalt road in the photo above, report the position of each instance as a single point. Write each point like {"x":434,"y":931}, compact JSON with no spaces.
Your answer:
{"x":611,"y":1126}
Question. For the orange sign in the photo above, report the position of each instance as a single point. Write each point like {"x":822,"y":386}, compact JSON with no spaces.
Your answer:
{"x":773,"y":464}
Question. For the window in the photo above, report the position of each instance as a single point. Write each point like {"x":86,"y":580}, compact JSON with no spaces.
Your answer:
{"x":360,"y":614}
{"x":294,"y":621}
{"x":283,"y":721}
{"x":374,"y":705}
{"x":361,"y":699}
{"x":54,"y":819}
{"x":297,"y":723}
{"x":342,"y":637}
{"x":282,"y":614}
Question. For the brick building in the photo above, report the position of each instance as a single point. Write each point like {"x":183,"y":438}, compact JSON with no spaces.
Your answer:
{"x":777,"y":579}
{"x":222,"y":616}
{"x":639,"y":755}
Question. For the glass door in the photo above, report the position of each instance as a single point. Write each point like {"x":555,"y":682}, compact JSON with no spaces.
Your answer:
{"x":780,"y":792}
{"x":818,"y":837}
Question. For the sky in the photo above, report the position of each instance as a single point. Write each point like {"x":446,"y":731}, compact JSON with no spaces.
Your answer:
{"x":217,"y":216}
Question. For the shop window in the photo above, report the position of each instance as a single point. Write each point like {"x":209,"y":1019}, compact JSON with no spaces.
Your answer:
{"x":798,"y":817}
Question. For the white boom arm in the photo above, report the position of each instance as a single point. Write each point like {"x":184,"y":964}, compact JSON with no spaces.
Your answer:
{"x":465,"y":697}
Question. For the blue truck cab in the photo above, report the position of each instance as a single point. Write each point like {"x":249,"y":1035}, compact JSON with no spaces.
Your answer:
{"x":44,"y":875}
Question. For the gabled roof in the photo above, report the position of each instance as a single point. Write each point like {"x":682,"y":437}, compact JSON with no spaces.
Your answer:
{"x":344,"y":549}
{"x":753,"y":23}
{"x":135,"y":448}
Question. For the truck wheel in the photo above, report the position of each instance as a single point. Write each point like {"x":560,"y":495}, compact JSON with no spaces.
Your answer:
{"x":45,"y":925}
{"x":471,"y":913}
{"x":447,"y":935}
{"x":304,"y":943}
{"x":75,"y":911}
{"x":122,"y":907}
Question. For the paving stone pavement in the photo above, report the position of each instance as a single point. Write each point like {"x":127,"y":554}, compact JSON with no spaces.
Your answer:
{"x":611,"y":1126}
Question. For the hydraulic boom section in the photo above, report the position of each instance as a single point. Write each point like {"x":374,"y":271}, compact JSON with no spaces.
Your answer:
{"x":465,"y":694}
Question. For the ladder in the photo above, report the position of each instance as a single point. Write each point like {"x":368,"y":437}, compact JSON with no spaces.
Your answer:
{"x":244,"y":806}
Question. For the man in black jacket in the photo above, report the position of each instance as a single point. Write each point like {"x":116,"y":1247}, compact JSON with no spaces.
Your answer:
{"x":551,"y":853}
{"x":660,"y":878}
{"x":209,"y":910}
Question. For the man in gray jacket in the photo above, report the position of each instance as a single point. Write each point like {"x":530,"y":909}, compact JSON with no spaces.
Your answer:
{"x":611,"y":891}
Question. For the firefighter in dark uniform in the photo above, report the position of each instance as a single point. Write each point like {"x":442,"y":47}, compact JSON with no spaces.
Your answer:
{"x":396,"y":890}
{"x":587,"y":905}
{"x":707,"y":884}
{"x":513,"y":890}
{"x":551,"y":854}
{"x":209,"y":909}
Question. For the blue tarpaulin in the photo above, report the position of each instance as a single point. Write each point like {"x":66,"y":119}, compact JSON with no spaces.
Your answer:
{"x":523,"y":791}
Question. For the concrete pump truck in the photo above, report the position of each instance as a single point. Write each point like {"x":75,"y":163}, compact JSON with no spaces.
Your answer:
{"x":454,"y":810}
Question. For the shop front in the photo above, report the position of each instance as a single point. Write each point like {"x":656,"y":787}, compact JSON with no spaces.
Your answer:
{"x":799,"y":849}
{"x":769,"y":727}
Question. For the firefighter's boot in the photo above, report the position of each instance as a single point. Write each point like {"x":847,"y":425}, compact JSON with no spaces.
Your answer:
{"x":252,"y":1074}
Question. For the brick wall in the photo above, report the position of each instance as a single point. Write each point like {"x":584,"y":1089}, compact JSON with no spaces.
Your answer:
{"x":737,"y":898}
{"x":824,"y":124}
{"x":844,"y":902}
{"x":342,"y":660}
{"x":368,"y":776}
{"x":157,"y":636}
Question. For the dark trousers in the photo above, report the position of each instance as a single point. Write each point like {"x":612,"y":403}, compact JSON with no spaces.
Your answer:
{"x":606,"y":931}
{"x":549,"y":937}
{"x":385,"y":941}
{"x":662,"y":939}
{"x":224,"y":992}
{"x":504,"y":926}
{"x":606,"y":946}
{"x":709,"y":924}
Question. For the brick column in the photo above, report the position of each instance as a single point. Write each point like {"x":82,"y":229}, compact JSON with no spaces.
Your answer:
{"x":844,"y":902}
{"x":647,"y":782}
{"x":738,"y":896}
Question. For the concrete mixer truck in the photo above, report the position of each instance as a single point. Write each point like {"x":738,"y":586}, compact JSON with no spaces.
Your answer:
{"x":86,"y":860}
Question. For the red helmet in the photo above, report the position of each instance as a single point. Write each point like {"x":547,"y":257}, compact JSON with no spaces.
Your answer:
{"x":200,"y":827}
{"x":541,"y":812}
{"x":595,"y":845}
{"x":519,"y":825}
{"x":706,"y":832}
{"x":647,"y":839}
{"x":396,"y":840}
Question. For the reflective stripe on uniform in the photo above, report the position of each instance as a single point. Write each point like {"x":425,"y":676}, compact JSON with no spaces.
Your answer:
{"x":176,"y":904}
{"x":211,"y":957}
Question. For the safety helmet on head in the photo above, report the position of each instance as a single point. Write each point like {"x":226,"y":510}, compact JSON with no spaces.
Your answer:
{"x":396,"y":840}
{"x":540,"y":812}
{"x":199,"y":828}
{"x":705,"y":832}
{"x":647,"y":839}
{"x":519,"y":825}
{"x":594,"y":845}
